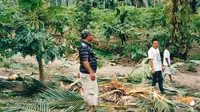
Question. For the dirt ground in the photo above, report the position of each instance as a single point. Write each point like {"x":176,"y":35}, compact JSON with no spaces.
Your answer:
{"x":64,"y":67}
{"x":187,"y":78}
{"x":70,"y":68}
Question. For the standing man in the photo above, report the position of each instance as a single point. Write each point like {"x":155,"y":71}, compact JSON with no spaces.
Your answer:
{"x":156,"y":65}
{"x":167,"y":62}
{"x":88,"y":68}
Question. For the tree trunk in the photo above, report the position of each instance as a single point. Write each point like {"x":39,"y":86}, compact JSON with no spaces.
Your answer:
{"x":83,"y":20}
{"x":146,"y":3}
{"x":193,"y":5}
{"x":91,"y":3}
{"x":56,"y":2}
{"x":67,"y":2}
{"x":41,"y":70}
{"x":104,"y":2}
{"x":136,"y":3}
{"x":63,"y":3}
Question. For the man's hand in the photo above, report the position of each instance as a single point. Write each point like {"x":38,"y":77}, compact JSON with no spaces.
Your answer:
{"x":163,"y":69}
{"x":168,"y":65}
{"x":87,"y":66}
{"x":92,"y":76}
{"x":153,"y":71}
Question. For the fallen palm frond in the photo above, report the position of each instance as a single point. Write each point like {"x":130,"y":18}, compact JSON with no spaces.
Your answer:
{"x":140,"y":72}
{"x":175,"y":91}
{"x":70,"y":85}
{"x":114,"y":105}
{"x":157,"y":105}
{"x":37,"y":106}
{"x":108,"y":93}
{"x":125,"y":94}
{"x":60,"y":99}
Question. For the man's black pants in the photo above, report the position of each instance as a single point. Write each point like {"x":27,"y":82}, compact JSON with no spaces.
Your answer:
{"x":157,"y":77}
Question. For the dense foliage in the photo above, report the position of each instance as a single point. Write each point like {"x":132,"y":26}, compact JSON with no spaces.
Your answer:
{"x":32,"y":27}
{"x":25,"y":32}
{"x":46,"y":29}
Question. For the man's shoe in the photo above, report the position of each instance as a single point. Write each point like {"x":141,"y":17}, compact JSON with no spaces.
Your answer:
{"x":163,"y":92}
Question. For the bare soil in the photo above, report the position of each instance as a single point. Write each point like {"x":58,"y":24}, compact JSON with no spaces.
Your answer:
{"x":186,"y":78}
{"x":70,"y":68}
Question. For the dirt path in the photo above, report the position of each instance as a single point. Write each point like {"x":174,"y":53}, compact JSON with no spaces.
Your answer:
{"x":192,"y":81}
{"x":188,"y":79}
{"x":70,"y":68}
{"x":67,"y":68}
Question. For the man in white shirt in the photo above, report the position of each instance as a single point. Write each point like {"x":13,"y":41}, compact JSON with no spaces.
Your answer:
{"x":156,"y":65}
{"x":167,"y":62}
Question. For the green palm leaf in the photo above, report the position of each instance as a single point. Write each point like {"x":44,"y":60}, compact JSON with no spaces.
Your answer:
{"x":63,"y":99}
{"x":37,"y":106}
{"x":51,"y":99}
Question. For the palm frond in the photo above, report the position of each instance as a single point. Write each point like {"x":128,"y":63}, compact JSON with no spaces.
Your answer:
{"x":37,"y":106}
{"x":63,"y":99}
{"x":51,"y":99}
{"x":157,"y":105}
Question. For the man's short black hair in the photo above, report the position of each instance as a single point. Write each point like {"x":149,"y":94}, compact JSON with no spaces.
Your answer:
{"x":154,"y":40}
{"x":84,"y":34}
{"x":167,"y":45}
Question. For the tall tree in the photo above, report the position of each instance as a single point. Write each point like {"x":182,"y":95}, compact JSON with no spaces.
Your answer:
{"x":63,"y":2}
{"x":177,"y":13}
{"x":146,"y":3}
{"x":193,"y":4}
{"x":136,"y":3}
{"x":31,"y":36}
{"x":84,"y":14}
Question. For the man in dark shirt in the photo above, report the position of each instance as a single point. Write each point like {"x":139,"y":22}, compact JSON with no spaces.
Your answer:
{"x":88,"y":68}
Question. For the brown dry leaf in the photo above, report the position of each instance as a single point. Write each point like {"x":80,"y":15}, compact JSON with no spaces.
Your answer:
{"x":13,"y":77}
{"x":112,"y":97}
{"x":104,"y":84}
{"x":186,"y":100}
{"x":119,"y":86}
{"x":65,"y":87}
{"x":140,"y":91}
{"x":73,"y":57}
{"x":128,"y":100}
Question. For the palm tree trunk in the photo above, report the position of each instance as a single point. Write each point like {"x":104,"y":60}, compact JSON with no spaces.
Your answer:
{"x":41,"y":70}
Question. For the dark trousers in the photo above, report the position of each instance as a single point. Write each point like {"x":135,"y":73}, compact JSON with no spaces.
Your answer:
{"x":157,"y":77}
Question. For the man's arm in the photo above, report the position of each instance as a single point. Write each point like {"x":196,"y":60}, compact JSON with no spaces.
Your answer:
{"x":151,"y":65}
{"x":89,"y":69}
{"x":84,"y":56}
{"x":167,"y":62}
{"x":150,"y":56}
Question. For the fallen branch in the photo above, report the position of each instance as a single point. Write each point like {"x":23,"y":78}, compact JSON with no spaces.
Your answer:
{"x":68,"y":86}
{"x":108,"y":93}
